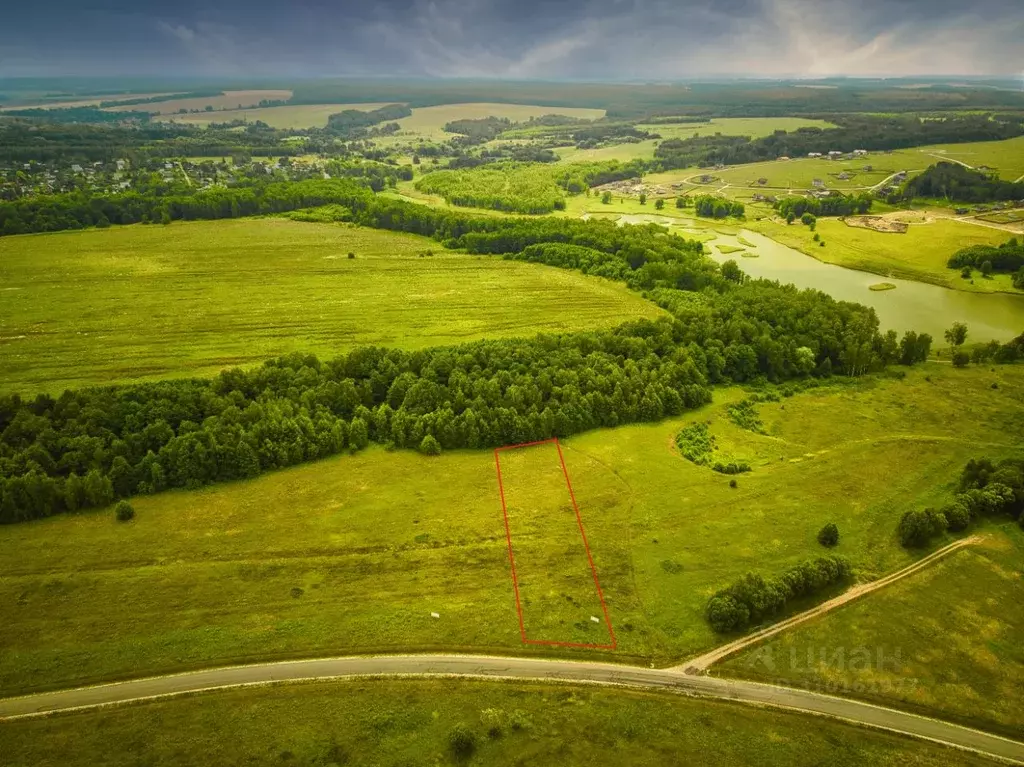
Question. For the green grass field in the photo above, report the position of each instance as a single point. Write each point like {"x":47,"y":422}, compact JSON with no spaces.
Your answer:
{"x":354,"y":553}
{"x":754,"y":127}
{"x":189,"y":299}
{"x":918,"y":254}
{"x":951,"y":635}
{"x":428,"y":122}
{"x":297,"y":116}
{"x":1006,"y":158}
{"x":405,"y":722}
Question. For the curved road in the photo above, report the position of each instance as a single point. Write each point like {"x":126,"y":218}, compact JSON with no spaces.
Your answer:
{"x":517,"y":668}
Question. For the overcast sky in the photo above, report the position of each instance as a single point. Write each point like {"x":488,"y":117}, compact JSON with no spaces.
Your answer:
{"x":519,"y":39}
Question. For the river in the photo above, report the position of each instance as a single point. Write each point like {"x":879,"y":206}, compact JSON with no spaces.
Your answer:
{"x":910,"y":306}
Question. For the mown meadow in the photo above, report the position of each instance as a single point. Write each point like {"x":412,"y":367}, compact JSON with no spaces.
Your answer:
{"x":141,"y":302}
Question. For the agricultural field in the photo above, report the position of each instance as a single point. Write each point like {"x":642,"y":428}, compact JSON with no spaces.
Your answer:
{"x":214,"y":294}
{"x":754,"y":127}
{"x":428,"y":122}
{"x":951,"y":634}
{"x":920,"y":253}
{"x":227,"y":100}
{"x":354,"y":553}
{"x":298,"y":116}
{"x":797,"y":175}
{"x":84,"y":101}
{"x":411,"y":721}
{"x":640,"y":150}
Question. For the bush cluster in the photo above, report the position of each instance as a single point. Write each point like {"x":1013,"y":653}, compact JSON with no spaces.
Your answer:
{"x":986,"y":490}
{"x":753,"y":597}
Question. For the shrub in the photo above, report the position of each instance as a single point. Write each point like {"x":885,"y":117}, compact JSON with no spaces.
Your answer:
{"x":430,"y":446}
{"x":351,"y":255}
{"x":733,"y":483}
{"x":917,"y":527}
{"x":462,"y":741}
{"x":124,"y":511}
{"x":957,"y":516}
{"x":961,"y":358}
{"x":828,"y":535}
{"x":726,"y":614}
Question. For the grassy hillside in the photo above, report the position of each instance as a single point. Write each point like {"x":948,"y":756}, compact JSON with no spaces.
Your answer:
{"x":393,"y":722}
{"x":137,"y":302}
{"x":354,"y":553}
{"x":950,"y":637}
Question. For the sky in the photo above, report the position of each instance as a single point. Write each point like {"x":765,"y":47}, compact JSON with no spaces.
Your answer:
{"x":653,"y":40}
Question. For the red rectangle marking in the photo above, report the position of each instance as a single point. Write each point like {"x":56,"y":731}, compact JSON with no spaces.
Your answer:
{"x":512,"y":561}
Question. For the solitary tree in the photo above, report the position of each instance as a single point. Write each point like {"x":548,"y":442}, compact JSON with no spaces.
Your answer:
{"x":986,"y":266}
{"x":828,"y":535}
{"x":956,"y":335}
{"x":643,"y":198}
{"x":124,"y":511}
{"x":606,"y":198}
{"x":680,"y":202}
{"x":659,"y":204}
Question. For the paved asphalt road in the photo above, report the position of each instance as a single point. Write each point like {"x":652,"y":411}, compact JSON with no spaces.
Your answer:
{"x":519,"y":668}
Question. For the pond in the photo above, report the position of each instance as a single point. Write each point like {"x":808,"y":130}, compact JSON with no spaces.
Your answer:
{"x":910,"y":306}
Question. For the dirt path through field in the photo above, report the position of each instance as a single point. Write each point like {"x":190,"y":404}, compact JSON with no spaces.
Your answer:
{"x":701,"y":664}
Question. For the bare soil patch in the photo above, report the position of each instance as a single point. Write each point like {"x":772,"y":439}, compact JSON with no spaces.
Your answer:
{"x":877,"y":224}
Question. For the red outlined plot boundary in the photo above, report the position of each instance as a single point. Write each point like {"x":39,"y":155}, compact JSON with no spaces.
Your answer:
{"x":512,"y":560}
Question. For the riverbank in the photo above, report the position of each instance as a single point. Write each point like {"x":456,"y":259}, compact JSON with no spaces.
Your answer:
{"x":919,"y":254}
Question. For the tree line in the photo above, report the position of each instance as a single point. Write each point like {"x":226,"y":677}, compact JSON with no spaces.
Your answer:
{"x":951,"y":181}
{"x":87,"y":447}
{"x":753,"y":597}
{"x":792,"y":208}
{"x":985,"y":489}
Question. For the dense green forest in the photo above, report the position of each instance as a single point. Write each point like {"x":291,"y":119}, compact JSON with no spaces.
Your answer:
{"x":512,"y":187}
{"x":352,"y":123}
{"x":636,"y":101}
{"x":950,"y":181}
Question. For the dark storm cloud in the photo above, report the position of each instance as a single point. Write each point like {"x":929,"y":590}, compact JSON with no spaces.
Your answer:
{"x":597,"y":39}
